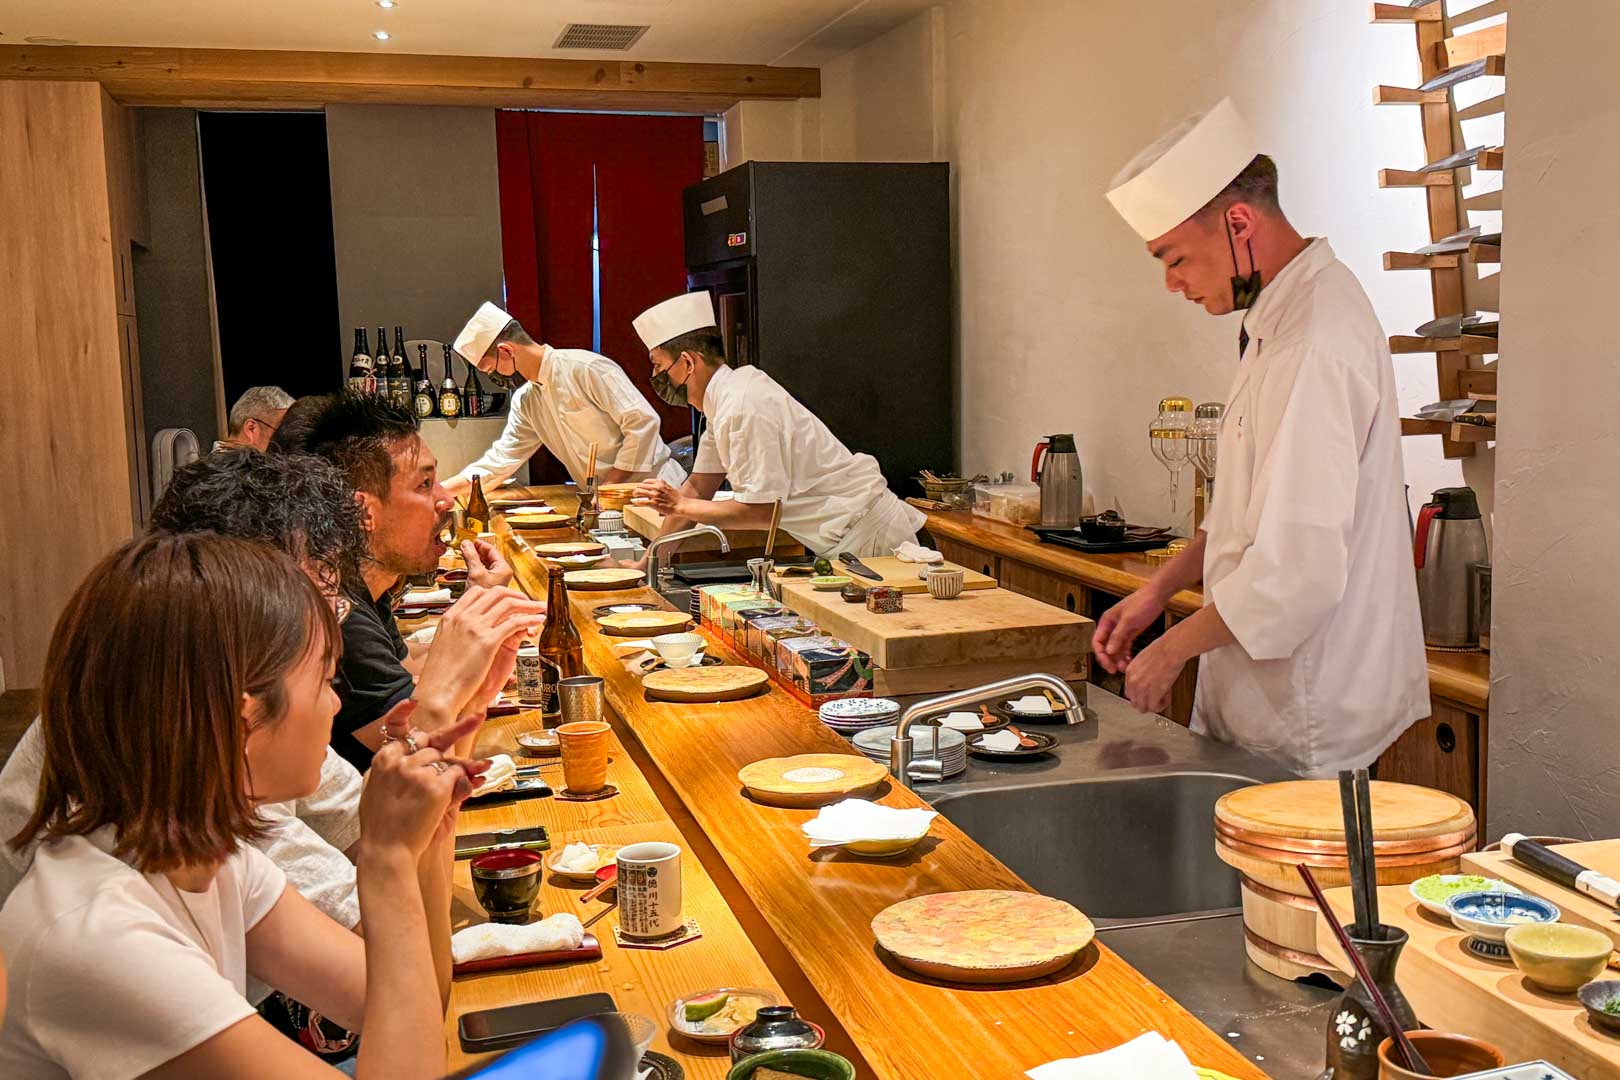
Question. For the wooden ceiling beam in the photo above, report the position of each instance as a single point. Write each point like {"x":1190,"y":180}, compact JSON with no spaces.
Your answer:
{"x":253,"y":78}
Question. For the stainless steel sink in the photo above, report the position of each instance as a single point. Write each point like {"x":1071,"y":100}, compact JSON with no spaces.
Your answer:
{"x":1123,"y":849}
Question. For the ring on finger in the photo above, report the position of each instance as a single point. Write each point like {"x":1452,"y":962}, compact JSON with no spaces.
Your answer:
{"x":410,"y":744}
{"x":438,"y":766}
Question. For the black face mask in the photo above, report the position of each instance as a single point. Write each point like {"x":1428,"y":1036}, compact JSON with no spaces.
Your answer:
{"x":667,"y":391}
{"x":503,"y":382}
{"x":1245,"y":290}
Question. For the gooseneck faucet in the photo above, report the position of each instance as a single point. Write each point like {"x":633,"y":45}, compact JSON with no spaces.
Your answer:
{"x":662,"y":577}
{"x":900,"y":763}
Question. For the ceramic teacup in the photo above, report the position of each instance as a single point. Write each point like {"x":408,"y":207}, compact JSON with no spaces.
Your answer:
{"x":678,"y":650}
{"x":945,"y":582}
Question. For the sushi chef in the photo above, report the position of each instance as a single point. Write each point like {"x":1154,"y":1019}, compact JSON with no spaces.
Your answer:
{"x":572,"y":398}
{"x":766,"y":444}
{"x":1309,"y":643}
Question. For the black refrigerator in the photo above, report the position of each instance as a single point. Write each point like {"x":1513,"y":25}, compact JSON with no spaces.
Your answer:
{"x":835,"y":279}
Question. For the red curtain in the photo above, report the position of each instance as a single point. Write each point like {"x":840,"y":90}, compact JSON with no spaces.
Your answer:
{"x":639,"y":166}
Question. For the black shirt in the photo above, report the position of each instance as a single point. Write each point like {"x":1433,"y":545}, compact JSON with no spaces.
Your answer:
{"x":371,"y":679}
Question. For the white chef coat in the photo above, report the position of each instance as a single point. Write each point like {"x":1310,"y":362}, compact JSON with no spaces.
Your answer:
{"x":771,"y":447}
{"x":1309,"y":551}
{"x":580,"y":398}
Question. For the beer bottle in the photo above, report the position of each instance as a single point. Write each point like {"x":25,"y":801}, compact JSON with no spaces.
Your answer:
{"x":477,"y":516}
{"x":559,"y":641}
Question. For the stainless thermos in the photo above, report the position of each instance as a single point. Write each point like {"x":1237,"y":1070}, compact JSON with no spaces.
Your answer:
{"x":1449,"y":540}
{"x":1062,"y":489}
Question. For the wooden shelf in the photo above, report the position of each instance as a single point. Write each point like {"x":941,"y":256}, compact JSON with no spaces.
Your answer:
{"x":1468,"y":433}
{"x":1389,"y":178}
{"x":1491,"y":106}
{"x":1400,"y":13}
{"x":1467,"y":344}
{"x":1490,"y":160}
{"x":1411,"y":260}
{"x":1465,"y":48}
{"x":1485,"y":200}
{"x":1405,"y":95}
{"x":1485,"y":253}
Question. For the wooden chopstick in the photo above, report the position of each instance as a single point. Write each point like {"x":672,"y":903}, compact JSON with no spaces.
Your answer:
{"x":590,"y":470}
{"x":1352,"y":848}
{"x":1369,"y":853}
{"x":598,"y":889}
{"x":776,"y":519}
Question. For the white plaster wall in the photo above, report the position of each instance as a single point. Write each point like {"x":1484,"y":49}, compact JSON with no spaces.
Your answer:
{"x":1555,"y":744}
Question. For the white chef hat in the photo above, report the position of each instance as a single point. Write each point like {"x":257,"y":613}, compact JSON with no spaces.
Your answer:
{"x":480,"y":332}
{"x":676,"y":316}
{"x":1183,"y":169}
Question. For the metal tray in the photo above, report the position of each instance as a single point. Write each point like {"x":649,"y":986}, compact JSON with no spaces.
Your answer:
{"x":1067,"y":537}
{"x":715,"y":573}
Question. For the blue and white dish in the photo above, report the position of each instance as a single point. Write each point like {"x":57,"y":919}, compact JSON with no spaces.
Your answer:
{"x":1487,"y":917}
{"x":859,"y":708}
{"x":1530,"y":1070}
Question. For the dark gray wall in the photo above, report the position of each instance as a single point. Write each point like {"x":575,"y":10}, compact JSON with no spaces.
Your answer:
{"x":178,"y":372}
{"x":416,"y":217}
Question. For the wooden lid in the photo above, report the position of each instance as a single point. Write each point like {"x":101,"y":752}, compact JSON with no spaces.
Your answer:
{"x":1310,"y":810}
{"x":569,"y":547}
{"x":643,"y":623}
{"x":984,"y":930}
{"x":806,"y":780}
{"x":610,"y":578}
{"x":523,"y":519}
{"x":725,"y":683}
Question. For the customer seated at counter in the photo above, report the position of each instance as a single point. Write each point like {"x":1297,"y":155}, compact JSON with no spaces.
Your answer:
{"x":254,"y":418}
{"x":403,"y":509}
{"x":131,"y":938}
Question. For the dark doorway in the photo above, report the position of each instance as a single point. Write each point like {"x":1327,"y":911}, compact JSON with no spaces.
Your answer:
{"x":269,"y":199}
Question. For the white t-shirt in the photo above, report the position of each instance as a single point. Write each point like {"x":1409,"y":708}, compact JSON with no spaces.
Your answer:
{"x":306,"y":837}
{"x":771,"y":447}
{"x":108,"y":976}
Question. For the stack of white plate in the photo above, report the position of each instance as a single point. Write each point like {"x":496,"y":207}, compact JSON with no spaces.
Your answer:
{"x":874,"y":743}
{"x":850,"y":715}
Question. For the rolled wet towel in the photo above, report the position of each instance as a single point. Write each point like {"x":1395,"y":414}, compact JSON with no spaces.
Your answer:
{"x":501,"y":774}
{"x":916,"y":553}
{"x":425,"y":597}
{"x":561,"y":932}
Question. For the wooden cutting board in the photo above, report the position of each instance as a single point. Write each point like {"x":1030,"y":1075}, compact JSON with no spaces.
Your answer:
{"x":1452,"y":990}
{"x":984,"y":935}
{"x":809,"y":780}
{"x":1414,"y":818}
{"x":604,"y":580}
{"x":903,"y":575}
{"x":699,"y":684}
{"x":1600,"y":855}
{"x":637,"y":624}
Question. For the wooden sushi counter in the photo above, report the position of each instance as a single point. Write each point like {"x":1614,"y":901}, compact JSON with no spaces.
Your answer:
{"x":1446,"y":751}
{"x":807,"y":917}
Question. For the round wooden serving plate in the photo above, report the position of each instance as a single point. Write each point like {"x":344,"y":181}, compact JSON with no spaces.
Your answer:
{"x":608,"y":580}
{"x":644,"y":623}
{"x":729,"y":682}
{"x":568,"y":547}
{"x":983,"y":936}
{"x":809,"y":780}
{"x":537,"y":521}
{"x":1310,"y":810}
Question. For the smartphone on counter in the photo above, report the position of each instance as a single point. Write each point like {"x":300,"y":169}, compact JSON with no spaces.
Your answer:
{"x":535,"y":839}
{"x":512,"y":1025}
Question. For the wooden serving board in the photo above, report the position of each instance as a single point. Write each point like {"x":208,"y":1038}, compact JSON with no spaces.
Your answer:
{"x":903,"y":575}
{"x":700,"y":684}
{"x":1453,"y":990}
{"x":1600,"y":855}
{"x":607,"y":580}
{"x":809,"y":780}
{"x":983,"y":935}
{"x":637,"y":624}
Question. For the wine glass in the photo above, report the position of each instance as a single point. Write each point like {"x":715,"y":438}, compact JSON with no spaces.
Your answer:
{"x":1168,"y":437}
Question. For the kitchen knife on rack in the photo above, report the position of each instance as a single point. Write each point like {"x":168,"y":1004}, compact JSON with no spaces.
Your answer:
{"x":1547,"y":863}
{"x":857,"y":567}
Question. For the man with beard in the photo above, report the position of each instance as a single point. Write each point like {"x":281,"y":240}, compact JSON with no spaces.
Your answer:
{"x":404,"y":510}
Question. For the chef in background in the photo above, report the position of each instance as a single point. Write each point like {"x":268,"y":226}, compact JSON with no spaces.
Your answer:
{"x":766,"y":444}
{"x":573,"y":397}
{"x":1310,"y":644}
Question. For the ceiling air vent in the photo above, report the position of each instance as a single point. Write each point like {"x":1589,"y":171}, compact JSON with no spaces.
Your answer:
{"x":599,"y":36}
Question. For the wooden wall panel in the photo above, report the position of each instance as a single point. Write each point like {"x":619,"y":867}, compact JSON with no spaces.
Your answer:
{"x":62,"y":431}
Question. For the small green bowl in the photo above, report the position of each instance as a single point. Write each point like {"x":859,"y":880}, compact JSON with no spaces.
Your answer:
{"x":829,"y":582}
{"x":814,"y":1064}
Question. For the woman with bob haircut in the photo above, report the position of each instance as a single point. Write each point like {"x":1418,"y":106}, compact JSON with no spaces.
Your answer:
{"x":188,"y":681}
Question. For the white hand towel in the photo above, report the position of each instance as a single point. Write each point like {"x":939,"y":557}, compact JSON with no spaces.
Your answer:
{"x":1033,"y":704}
{"x":962,"y":721}
{"x":425,"y":597}
{"x":502,"y":773}
{"x":1000,"y":740}
{"x":557,"y":933}
{"x":914,"y":552}
{"x":1146,"y":1057}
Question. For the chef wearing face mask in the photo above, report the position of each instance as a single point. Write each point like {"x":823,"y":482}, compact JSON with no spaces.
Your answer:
{"x":1310,"y":644}
{"x":571,"y":399}
{"x":766,"y":444}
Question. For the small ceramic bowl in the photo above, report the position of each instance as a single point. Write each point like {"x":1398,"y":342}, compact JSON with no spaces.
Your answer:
{"x":1558,"y":956}
{"x":506,"y":883}
{"x":1489,"y":915}
{"x":677,"y":1008}
{"x":1449,"y":885}
{"x":853,"y":594}
{"x":829,"y":582}
{"x":1598,"y":998}
{"x":945,"y":582}
{"x":1447,"y":1055}
{"x":678,"y":649}
{"x":814,"y":1064}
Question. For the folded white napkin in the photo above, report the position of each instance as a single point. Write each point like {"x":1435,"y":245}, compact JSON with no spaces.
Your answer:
{"x":858,"y":819}
{"x":423,"y":597}
{"x":962,"y":721}
{"x":556,"y":933}
{"x":626,"y":646}
{"x":1032,"y":703}
{"x":502,"y":773}
{"x":1146,"y":1057}
{"x":1000,"y":740}
{"x":423,"y":637}
{"x":914,"y":552}
{"x":577,"y":858}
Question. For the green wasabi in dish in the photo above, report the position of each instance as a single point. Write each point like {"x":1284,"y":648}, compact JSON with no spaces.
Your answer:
{"x":1612,"y":1006}
{"x":1440,"y":889}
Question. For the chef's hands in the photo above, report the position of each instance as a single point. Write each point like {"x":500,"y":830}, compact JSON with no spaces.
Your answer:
{"x":484,"y":564}
{"x":1150,"y":677}
{"x":659,"y":495}
{"x":1120,"y":626}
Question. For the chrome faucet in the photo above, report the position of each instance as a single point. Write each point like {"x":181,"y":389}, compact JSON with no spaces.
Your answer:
{"x":660,"y":576}
{"x":900,"y":763}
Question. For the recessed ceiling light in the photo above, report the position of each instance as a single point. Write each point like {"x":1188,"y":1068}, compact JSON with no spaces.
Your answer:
{"x":385,"y":4}
{"x":380,"y":35}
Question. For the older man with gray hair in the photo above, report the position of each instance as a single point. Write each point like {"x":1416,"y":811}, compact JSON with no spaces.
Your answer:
{"x":254,"y":418}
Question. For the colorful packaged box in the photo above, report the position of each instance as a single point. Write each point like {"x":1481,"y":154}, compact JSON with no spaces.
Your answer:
{"x":884,"y":600}
{"x":713,"y":595}
{"x":819,"y":669}
{"x":746,"y":619}
{"x":763,"y":634}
